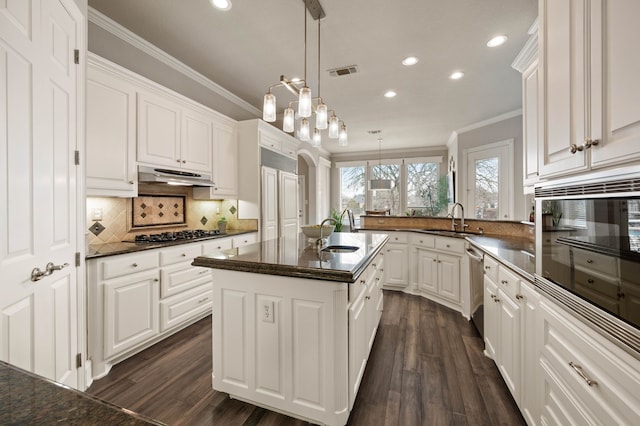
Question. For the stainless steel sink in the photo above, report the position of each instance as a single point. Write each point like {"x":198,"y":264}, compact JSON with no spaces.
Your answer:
{"x":340,"y":249}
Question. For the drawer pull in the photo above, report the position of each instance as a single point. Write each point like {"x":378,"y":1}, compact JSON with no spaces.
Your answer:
{"x":367,"y":297}
{"x":374,"y":265}
{"x":203,"y":300}
{"x":362,"y":282}
{"x":487,"y":267}
{"x":202,"y":272}
{"x":589,"y":260}
{"x":155,"y":280}
{"x":519,"y":296}
{"x":495,"y":299}
{"x":184,"y":255}
{"x":504,"y":282}
{"x":448,"y":246}
{"x":590,"y":281}
{"x":381,"y":269}
{"x":135,"y":265}
{"x":421,"y":242}
{"x":578,"y":369}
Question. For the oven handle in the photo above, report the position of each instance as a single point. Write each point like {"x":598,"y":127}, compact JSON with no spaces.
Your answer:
{"x":473,"y":255}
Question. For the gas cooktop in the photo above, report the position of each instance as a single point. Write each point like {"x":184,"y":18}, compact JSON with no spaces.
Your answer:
{"x":166,"y":237}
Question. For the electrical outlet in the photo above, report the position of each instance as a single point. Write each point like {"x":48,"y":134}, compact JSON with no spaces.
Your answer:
{"x":380,"y":221}
{"x":267,"y":311}
{"x":96,"y":213}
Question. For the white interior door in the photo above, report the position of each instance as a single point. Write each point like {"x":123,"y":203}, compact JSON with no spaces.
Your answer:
{"x":38,"y":319}
{"x":302,"y":201}
{"x":288,"y":205}
{"x":490,"y":181}
{"x":269,"y":203}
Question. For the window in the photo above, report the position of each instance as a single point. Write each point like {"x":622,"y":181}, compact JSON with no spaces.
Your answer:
{"x":352,"y":189}
{"x":416,"y":187}
{"x":426,"y":191}
{"x":387,"y":199}
{"x":490,"y":181}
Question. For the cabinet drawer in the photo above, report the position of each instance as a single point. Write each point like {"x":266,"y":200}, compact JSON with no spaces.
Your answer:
{"x":270,"y":142}
{"x":182,"y":253}
{"x":454,"y":245}
{"x":490,"y":268}
{"x":243,"y":240}
{"x":614,"y":399}
{"x":289,"y":148}
{"x":398,"y":237}
{"x":596,"y":283}
{"x":217,"y":245}
{"x":356,"y":288}
{"x":508,"y":282}
{"x":185,"y":306}
{"x":178,"y":278}
{"x":606,"y":265}
{"x":422,"y":240}
{"x":129,"y":264}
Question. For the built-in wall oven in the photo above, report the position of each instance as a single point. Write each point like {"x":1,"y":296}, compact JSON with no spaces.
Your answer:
{"x":588,"y":251}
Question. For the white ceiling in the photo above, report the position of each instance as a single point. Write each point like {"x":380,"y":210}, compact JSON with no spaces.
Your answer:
{"x":247,"y":48}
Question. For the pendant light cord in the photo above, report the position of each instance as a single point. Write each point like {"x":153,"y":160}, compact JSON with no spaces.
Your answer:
{"x":318,"y":57}
{"x":305,"y":45}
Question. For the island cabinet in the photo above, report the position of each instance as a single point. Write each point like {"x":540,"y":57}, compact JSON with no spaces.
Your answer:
{"x":396,"y":274}
{"x":588,"y":87}
{"x":293,"y":327}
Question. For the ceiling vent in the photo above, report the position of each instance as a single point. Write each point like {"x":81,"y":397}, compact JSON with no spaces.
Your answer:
{"x":374,"y":132}
{"x":339,"y":72}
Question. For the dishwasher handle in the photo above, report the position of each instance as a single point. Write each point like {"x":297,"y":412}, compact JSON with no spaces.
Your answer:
{"x":472,"y":254}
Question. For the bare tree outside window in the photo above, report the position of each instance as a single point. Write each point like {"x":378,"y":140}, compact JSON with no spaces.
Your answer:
{"x":487,"y":188}
{"x":352,"y":189}
{"x":426,"y":190}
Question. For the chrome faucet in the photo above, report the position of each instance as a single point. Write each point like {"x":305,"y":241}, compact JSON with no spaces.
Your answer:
{"x":453,"y":217}
{"x":319,"y":241}
{"x":349,"y":214}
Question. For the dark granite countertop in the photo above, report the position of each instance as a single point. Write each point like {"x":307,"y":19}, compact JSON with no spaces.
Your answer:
{"x":30,"y":399}
{"x":515,"y":252}
{"x":298,"y":257}
{"x":111,"y":249}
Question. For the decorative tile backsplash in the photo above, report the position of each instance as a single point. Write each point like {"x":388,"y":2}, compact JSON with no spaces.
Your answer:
{"x":117,"y":222}
{"x":153,"y":210}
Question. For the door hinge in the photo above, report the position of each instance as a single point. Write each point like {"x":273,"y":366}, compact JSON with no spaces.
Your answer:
{"x":78,"y":360}
{"x":76,"y":56}
{"x":77,"y":258}
{"x":77,"y":158}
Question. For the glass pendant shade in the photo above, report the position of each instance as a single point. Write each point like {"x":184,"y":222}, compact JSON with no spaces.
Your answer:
{"x":269,"y":108}
{"x":304,"y":130}
{"x":288,"y":120}
{"x":334,"y":126}
{"x":380,"y":184}
{"x":304,"y":104}
{"x":317,"y":138}
{"x":321,"y":116}
{"x":342,"y":137}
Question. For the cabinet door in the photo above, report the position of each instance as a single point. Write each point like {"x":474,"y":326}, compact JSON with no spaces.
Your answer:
{"x":225,"y":160}
{"x":530,"y":350}
{"x":195,"y":143}
{"x":491,"y":324}
{"x":530,"y":124}
{"x":288,"y":205}
{"x":158,"y":131}
{"x":562,"y":86}
{"x":396,"y":269}
{"x":269,"y":203}
{"x":615,"y":86}
{"x":357,"y":346}
{"x":130,"y":312}
{"x":111,"y":135}
{"x":449,"y":277}
{"x":427,"y":271}
{"x":508,"y":343}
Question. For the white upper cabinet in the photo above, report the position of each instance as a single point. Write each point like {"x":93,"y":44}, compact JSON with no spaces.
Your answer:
{"x":225,"y":162}
{"x":172,"y":135}
{"x":589,"y":88}
{"x":111,"y":132}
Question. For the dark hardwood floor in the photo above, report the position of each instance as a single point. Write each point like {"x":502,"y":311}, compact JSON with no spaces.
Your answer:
{"x":426,"y":368}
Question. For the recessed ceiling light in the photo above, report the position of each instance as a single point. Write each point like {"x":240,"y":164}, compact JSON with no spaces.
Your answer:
{"x":497,"y":40}
{"x":390,"y":94}
{"x":221,"y":4}
{"x":456,"y":75}
{"x":410,"y":60}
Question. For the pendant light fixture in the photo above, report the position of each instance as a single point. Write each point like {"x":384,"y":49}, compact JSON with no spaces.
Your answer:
{"x":380,"y":184}
{"x":307,"y":104}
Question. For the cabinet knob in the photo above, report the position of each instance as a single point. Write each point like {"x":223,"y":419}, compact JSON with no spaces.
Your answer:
{"x":367,"y":297}
{"x":131,"y":182}
{"x":177,"y":161}
{"x":184,"y":255}
{"x":155,"y":280}
{"x":184,"y":161}
{"x":487,"y":267}
{"x":589,"y":260}
{"x":448,"y":246}
{"x":135,"y":265}
{"x":590,"y":281}
{"x":504,"y":282}
{"x":421,"y":242}
{"x":362,"y":282}
{"x":381,"y":269}
{"x":588,"y":143}
{"x":434,"y":260}
{"x":519,"y":296}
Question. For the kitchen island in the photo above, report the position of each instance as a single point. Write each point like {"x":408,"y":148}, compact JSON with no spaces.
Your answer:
{"x":293,"y":326}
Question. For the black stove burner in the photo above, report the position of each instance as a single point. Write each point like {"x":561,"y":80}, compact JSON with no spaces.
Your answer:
{"x":176,"y":236}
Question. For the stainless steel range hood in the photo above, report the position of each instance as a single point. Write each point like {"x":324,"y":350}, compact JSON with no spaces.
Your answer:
{"x":173,"y":177}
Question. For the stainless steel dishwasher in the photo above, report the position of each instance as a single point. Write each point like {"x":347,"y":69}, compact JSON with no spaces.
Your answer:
{"x":476,"y":276}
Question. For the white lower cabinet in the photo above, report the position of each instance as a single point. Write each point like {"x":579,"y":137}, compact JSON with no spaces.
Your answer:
{"x":585,"y":379}
{"x":244,"y":239}
{"x":137,"y":299}
{"x":396,"y":272}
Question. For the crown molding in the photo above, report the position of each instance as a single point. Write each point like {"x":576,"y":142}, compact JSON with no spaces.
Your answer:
{"x":529,"y":52}
{"x":150,"y":49}
{"x":496,"y":119}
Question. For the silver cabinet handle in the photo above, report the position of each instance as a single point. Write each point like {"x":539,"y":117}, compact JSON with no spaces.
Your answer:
{"x":135,"y":265}
{"x":504,"y":281}
{"x":367,"y":297}
{"x":131,"y":182}
{"x":578,"y":369}
{"x":203,"y":300}
{"x":177,"y":161}
{"x":37,"y":274}
{"x":155,"y":280}
{"x":519,"y":296}
{"x":184,"y":161}
{"x":183,"y":255}
{"x":588,"y":143}
{"x":202,"y":272}
{"x":575,"y":148}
